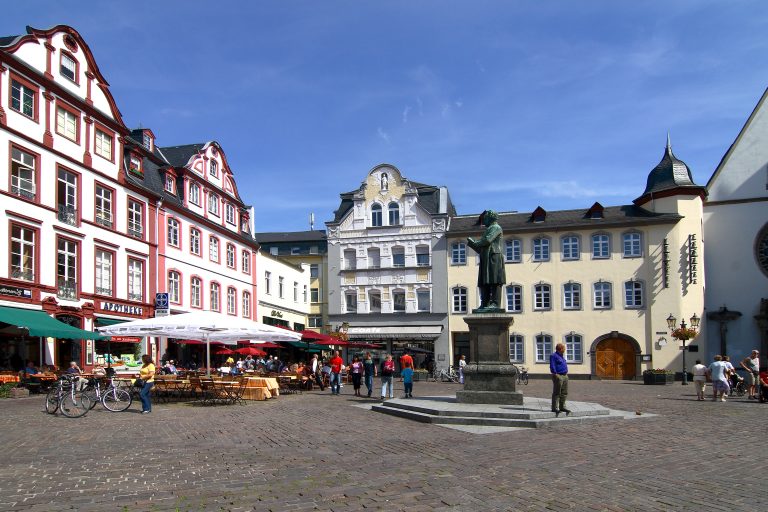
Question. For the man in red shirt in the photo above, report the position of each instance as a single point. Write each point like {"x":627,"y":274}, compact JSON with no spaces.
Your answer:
{"x":406,"y":361}
{"x":336,"y":363}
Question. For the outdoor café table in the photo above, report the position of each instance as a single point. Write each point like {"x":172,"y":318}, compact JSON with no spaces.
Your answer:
{"x":270,"y":383}
{"x":9,"y":378}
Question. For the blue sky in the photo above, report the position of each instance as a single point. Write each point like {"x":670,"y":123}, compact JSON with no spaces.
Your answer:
{"x":511,"y":105}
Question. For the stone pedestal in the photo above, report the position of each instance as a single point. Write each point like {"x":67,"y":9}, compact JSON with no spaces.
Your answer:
{"x":489,"y":378}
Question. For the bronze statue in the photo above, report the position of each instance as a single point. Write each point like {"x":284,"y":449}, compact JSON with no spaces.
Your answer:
{"x":491,"y":276}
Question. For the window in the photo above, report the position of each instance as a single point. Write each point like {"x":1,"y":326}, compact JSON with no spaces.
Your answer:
{"x":459,"y":253}
{"x":213,"y":204}
{"x":459,"y":300}
{"x":146,"y":140}
{"x":573,"y":344}
{"x":67,"y":124}
{"x":633,"y":294}
{"x":173,"y":232}
{"x":304,"y":294}
{"x":213,"y":249}
{"x":267,"y":282}
{"x":543,"y":348}
{"x":66,"y":269}
{"x":542,"y":297}
{"x":194,"y":241}
{"x":174,"y":287}
{"x":215,"y":289}
{"x":314,"y":294}
{"x":313,"y":249}
{"x":66,"y":197}
{"x":22,"y":253}
{"x":374,"y":301}
{"x":423,"y":300}
{"x":570,"y":247}
{"x":350,"y":302}
{"x":601,"y":246}
{"x":231,"y":263}
{"x":68,"y":67}
{"x":135,"y":219}
{"x":394,"y":214}
{"x":23,"y":174}
{"x":246,"y":260}
{"x":295,"y":251}
{"x":103,"y":272}
{"x":196,"y":290}
{"x":315,"y":321}
{"x":398,"y":301}
{"x":134,"y":165}
{"x":516,"y":347}
{"x":350,"y":261}
{"x":246,"y":311}
{"x":230,"y":214}
{"x":280,"y":286}
{"x":23,"y":99}
{"x":103,"y":206}
{"x":541,"y":249}
{"x":194,"y":194}
{"x":398,"y":257}
{"x":135,"y":279}
{"x":314,"y":270}
{"x":376,"y":219}
{"x":513,"y":251}
{"x":214,"y":168}
{"x":103,"y":146}
{"x":169,"y":182}
{"x":602,"y":295}
{"x":571,"y":296}
{"x":374,"y":257}
{"x":632,"y":245}
{"x":231,"y":301}
{"x":514,"y":298}
{"x":422,"y":256}
{"x":273,"y":251}
{"x":295,"y":291}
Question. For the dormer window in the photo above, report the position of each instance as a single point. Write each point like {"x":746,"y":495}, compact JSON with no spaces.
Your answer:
{"x":214,"y":168}
{"x":146,"y":141}
{"x":169,"y":183}
{"x":595,"y":211}
{"x":539,"y":215}
{"x":68,"y":67}
{"x":134,"y":166}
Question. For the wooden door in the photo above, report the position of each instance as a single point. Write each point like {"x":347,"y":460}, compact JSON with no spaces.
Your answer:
{"x":615,"y":359}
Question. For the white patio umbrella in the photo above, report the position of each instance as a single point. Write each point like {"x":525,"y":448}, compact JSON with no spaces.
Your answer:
{"x":205,"y":326}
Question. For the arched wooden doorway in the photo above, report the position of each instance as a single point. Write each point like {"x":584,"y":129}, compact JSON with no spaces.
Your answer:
{"x":615,"y":359}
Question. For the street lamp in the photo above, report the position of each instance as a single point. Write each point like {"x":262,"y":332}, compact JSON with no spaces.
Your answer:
{"x":683,"y":333}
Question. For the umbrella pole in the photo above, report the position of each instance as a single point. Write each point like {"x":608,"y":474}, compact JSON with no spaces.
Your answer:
{"x":207,"y":356}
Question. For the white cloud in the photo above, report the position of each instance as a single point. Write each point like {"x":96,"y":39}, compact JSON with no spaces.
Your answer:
{"x":406,"y":111}
{"x":382,"y":134}
{"x":560,"y":188}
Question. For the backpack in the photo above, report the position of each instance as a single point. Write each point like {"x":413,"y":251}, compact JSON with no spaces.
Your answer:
{"x":388,"y":368}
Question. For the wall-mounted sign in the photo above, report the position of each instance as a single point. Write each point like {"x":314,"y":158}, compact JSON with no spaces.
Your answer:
{"x":116,"y":307}
{"x":14,"y":291}
{"x":162,"y":307}
{"x":277,"y":314}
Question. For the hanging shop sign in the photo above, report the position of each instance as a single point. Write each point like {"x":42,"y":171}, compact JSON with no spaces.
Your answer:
{"x":15,"y":291}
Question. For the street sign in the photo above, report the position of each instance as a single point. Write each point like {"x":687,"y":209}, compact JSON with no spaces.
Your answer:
{"x":161,"y":300}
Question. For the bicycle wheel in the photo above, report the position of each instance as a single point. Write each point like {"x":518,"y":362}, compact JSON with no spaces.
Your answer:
{"x":52,"y":401}
{"x":116,"y":400}
{"x":525,"y":379}
{"x":92,"y":395}
{"x":74,"y":405}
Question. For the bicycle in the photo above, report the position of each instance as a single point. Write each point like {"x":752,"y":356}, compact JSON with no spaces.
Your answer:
{"x":448,"y":376}
{"x":65,"y":397}
{"x":112,"y":397}
{"x":522,"y":374}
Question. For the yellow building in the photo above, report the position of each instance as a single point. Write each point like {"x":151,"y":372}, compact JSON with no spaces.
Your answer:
{"x":603,"y":281}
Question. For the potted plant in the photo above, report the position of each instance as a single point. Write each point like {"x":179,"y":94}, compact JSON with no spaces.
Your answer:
{"x":658,"y":376}
{"x":420,"y":374}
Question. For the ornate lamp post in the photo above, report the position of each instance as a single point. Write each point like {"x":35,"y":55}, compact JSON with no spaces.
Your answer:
{"x":683,"y":333}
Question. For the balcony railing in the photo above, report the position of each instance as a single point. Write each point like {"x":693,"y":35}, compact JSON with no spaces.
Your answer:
{"x":23,"y":192}
{"x":103,"y":291}
{"x":136,"y":296}
{"x":25,"y":275}
{"x":104,"y":218}
{"x":135,"y":230}
{"x":67,"y":215}
{"x":67,"y":289}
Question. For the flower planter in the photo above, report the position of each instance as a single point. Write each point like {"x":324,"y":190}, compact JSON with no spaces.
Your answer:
{"x":658,"y":378}
{"x":18,"y":393}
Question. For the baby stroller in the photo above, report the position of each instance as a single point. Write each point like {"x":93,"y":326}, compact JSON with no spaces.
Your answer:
{"x":737,"y":385}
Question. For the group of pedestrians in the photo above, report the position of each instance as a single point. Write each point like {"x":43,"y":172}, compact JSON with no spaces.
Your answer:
{"x":723,"y":375}
{"x":364,"y":371}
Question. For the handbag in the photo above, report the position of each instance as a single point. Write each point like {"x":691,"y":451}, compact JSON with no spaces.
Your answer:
{"x":138,"y":383}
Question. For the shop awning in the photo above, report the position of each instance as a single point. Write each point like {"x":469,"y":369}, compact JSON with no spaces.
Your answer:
{"x":103,"y":322}
{"x":304,"y":345}
{"x":38,"y":323}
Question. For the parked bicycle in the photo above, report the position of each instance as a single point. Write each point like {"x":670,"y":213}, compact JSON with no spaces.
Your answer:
{"x":448,"y":375}
{"x":111,"y":396}
{"x":65,"y":396}
{"x":522,"y":374}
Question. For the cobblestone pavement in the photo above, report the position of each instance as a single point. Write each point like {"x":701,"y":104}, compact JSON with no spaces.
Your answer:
{"x":318,"y":452}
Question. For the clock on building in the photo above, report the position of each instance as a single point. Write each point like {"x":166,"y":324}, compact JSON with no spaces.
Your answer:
{"x":761,"y":249}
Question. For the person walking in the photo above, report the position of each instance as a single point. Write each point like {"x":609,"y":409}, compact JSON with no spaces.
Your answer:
{"x":387,"y":374}
{"x":752,"y":365}
{"x":462,"y":364}
{"x":699,"y":379}
{"x":316,"y":373}
{"x":147,"y":375}
{"x":558,"y":367}
{"x":356,"y":369}
{"x":407,"y":374}
{"x":369,"y":370}
{"x":336,"y":363}
{"x":718,"y":373}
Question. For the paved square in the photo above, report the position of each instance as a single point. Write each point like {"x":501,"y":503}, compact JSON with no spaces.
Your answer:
{"x":319,"y":452}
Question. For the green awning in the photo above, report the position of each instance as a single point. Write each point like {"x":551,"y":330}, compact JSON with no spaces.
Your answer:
{"x":103,"y":322}
{"x":305,"y":346}
{"x":38,"y":323}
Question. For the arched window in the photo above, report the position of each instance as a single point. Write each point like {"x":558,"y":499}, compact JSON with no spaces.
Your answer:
{"x":394,"y":214}
{"x":196,"y":286}
{"x":215,"y":290}
{"x":173,"y":232}
{"x":174,"y":286}
{"x":376,"y":218}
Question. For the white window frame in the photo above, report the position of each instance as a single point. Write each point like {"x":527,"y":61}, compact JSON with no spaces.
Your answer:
{"x":634,"y":294}
{"x":601,"y":246}
{"x":543,"y":343}
{"x":215,"y":300}
{"x":104,"y":261}
{"x":516,"y":348}
{"x":515,"y":292}
{"x":602,"y":295}
{"x":632,"y":244}
{"x":66,"y":123}
{"x":213,"y":249}
{"x":423,"y":305}
{"x":459,"y":253}
{"x":246,"y":261}
{"x":23,"y":173}
{"x":574,"y":347}
{"x":231,"y":217}
{"x":173,"y":232}
{"x":268,"y":282}
{"x":570,"y":247}
{"x":195,"y":292}
{"x":231,"y":258}
{"x":174,"y":286}
{"x":398,"y":301}
{"x":135,"y":279}
{"x":459,"y":299}
{"x":572,"y":296}
{"x":377,"y":217}
{"x":195,"y":237}
{"x":541,"y":249}
{"x":23,"y":253}
{"x":213,"y":204}
{"x":393,"y":214}
{"x":513,"y":250}
{"x":542,"y":297}
{"x":231,"y":301}
{"x":246,"y":307}
{"x":350,"y":301}
{"x":194,"y":194}
{"x":398,"y":253}
{"x":64,"y":66}
{"x":104,"y":144}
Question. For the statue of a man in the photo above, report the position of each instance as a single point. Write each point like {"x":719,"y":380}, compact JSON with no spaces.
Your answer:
{"x":491,"y":276}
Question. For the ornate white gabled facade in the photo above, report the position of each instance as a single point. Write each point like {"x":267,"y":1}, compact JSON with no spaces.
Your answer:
{"x":386,"y":258}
